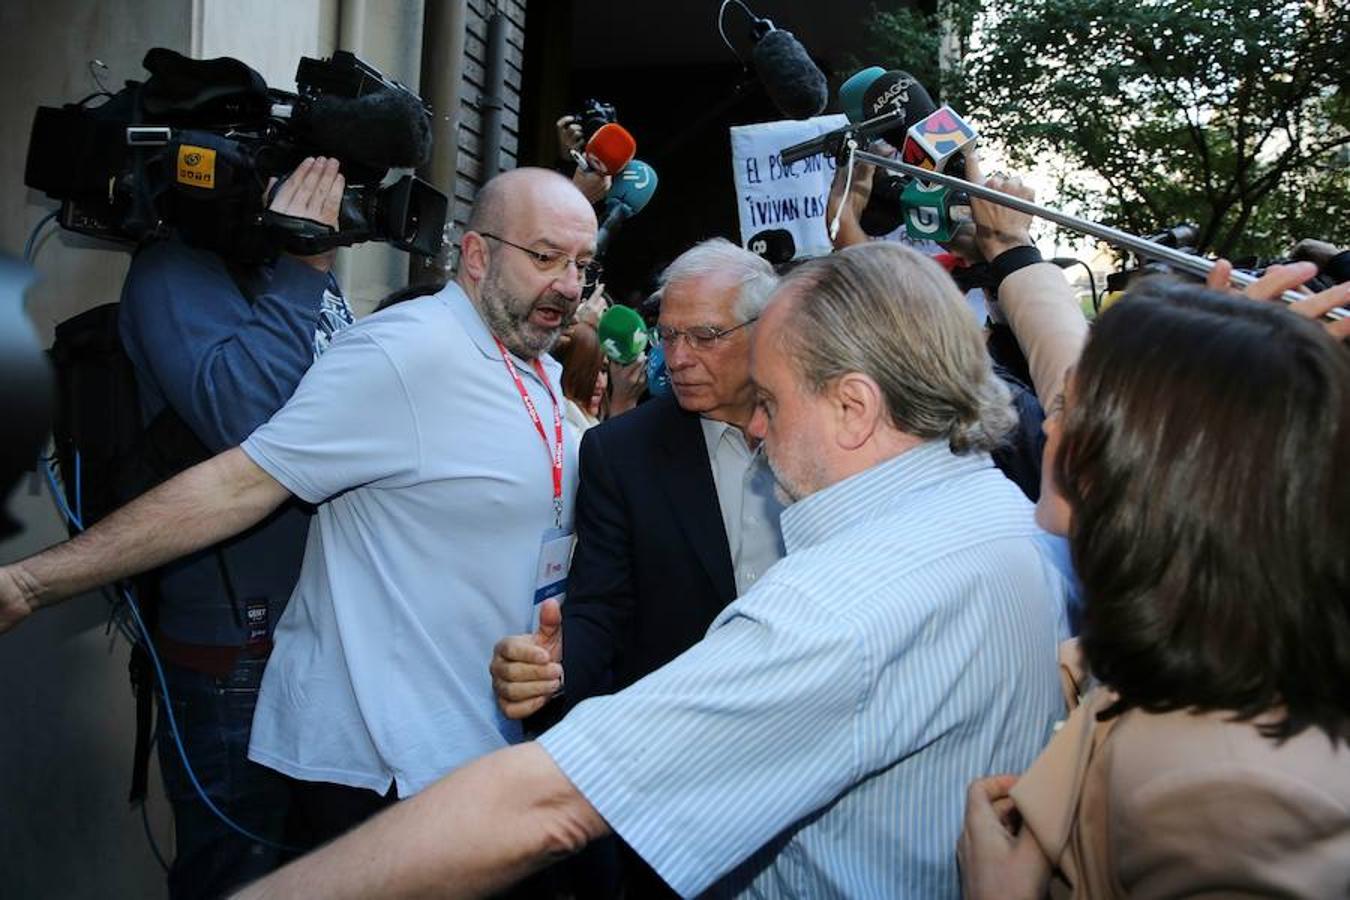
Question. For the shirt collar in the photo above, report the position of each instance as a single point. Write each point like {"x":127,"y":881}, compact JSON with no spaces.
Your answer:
{"x":716,"y":431}
{"x":872,"y":493}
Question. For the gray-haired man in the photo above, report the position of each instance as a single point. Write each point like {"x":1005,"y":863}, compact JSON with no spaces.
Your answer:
{"x":818,"y":741}
{"x":676,"y":511}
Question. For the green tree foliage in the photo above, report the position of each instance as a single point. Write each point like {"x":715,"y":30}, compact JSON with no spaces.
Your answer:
{"x":1234,"y":114}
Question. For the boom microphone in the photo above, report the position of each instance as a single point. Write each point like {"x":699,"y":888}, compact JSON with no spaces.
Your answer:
{"x":793,"y":82}
{"x":382,"y":129}
{"x":631,"y":191}
{"x":1186,"y":262}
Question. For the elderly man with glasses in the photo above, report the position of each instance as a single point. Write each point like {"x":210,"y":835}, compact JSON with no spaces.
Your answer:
{"x":429,"y":436}
{"x":676,"y":511}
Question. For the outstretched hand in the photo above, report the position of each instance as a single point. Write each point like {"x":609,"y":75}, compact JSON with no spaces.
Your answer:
{"x":527,"y":668}
{"x":1289,"y":277}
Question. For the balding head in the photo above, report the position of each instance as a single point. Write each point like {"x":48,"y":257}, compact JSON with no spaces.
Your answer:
{"x":511,"y":193}
{"x":520,"y":256}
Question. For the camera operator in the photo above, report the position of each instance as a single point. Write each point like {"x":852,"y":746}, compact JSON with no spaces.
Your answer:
{"x":218,"y":347}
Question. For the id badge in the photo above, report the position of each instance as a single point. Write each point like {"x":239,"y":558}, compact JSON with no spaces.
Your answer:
{"x":555,"y":558}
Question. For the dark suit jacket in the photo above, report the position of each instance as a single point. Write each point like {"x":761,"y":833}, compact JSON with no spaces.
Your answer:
{"x":652,"y":567}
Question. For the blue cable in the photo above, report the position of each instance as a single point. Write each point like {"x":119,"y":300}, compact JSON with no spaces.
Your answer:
{"x":32,"y":235}
{"x":79,"y":495}
{"x":64,"y":508}
{"x":163,"y":684}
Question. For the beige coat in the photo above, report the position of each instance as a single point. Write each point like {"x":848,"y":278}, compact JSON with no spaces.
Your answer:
{"x":1188,"y":805}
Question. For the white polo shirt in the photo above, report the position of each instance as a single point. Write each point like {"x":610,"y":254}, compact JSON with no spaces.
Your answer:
{"x":434,"y":491}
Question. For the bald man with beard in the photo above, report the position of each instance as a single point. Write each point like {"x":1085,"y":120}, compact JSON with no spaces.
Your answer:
{"x":429,"y":438}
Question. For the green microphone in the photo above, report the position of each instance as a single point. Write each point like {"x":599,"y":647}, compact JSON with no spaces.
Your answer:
{"x":623,"y":334}
{"x":927,"y":211}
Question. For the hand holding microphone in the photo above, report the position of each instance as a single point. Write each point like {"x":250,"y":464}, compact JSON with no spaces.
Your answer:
{"x":998,"y":228}
{"x":570,"y":138}
{"x":849,"y":207}
{"x":608,"y":151}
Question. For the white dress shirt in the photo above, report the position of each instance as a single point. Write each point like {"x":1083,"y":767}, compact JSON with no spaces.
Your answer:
{"x":750,"y":507}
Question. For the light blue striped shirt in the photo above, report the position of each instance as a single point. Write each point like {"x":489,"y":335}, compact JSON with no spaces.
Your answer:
{"x":819,"y":741}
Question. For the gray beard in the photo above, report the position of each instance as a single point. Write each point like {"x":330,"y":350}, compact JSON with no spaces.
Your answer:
{"x":520,"y":337}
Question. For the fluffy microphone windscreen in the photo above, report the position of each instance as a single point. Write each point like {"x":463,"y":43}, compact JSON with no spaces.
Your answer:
{"x":851,"y":91}
{"x":793,"y":82}
{"x":623,"y":334}
{"x":897,"y":90}
{"x":610,"y":149}
{"x":383,"y":129}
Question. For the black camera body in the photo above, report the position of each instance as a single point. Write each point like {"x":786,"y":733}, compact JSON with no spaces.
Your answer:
{"x":594,"y":114}
{"x":194,"y":146}
{"x":1182,"y":236}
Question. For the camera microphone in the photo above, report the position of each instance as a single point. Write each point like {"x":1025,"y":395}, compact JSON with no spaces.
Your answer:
{"x":382,"y":129}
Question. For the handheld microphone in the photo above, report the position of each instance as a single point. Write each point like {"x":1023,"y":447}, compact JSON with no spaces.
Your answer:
{"x":930,"y":211}
{"x":891,"y":103}
{"x":851,"y":92}
{"x":793,"y":82}
{"x":897,"y":91}
{"x":658,"y":376}
{"x":631,"y":191}
{"x":608,"y":151}
{"x":937,"y":139}
{"x":382,"y":129}
{"x":623,"y":334}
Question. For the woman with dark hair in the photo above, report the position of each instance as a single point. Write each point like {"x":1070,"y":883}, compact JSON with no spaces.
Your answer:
{"x":585,"y":376}
{"x":1197,"y":466}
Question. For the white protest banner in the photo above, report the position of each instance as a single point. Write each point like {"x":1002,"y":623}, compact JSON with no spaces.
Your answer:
{"x":782,"y":208}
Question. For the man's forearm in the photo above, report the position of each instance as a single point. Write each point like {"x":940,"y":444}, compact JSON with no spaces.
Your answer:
{"x":196,"y":509}
{"x":472,"y":834}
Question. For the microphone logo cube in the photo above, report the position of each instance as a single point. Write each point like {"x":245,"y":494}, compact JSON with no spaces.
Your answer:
{"x":925,"y":211}
{"x":940,"y":136}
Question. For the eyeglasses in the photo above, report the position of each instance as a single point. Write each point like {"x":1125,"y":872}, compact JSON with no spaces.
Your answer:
{"x":700,"y":337}
{"x":555,"y":261}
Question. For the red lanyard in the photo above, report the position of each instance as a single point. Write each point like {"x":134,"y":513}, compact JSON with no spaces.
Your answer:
{"x":556,"y":453}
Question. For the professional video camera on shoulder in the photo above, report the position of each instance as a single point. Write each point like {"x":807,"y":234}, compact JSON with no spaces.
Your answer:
{"x":193,"y":147}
